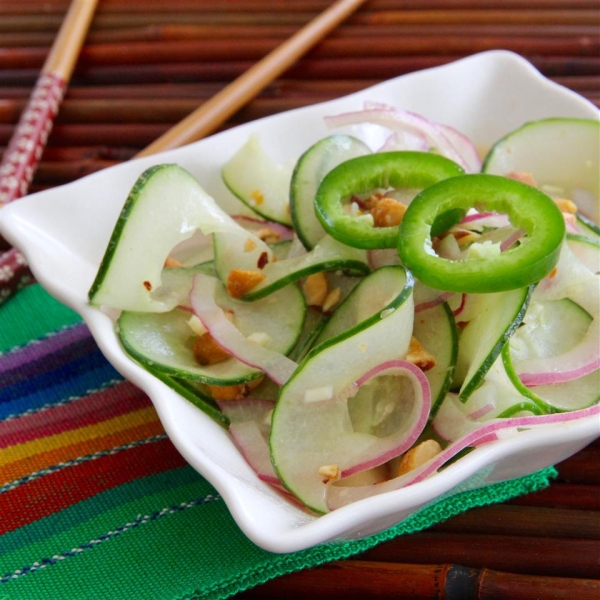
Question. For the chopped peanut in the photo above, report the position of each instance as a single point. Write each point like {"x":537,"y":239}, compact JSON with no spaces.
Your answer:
{"x":233,"y":392}
{"x":465,"y":238}
{"x":418,"y":356}
{"x":370,"y":202}
{"x":240,"y":282}
{"x":225,"y":392}
{"x":315,"y":289}
{"x":523,"y":177}
{"x":417,"y":456}
{"x":249,"y":245}
{"x":330,"y":472}
{"x":257,"y":197}
{"x":266,"y":234}
{"x":566,"y":206}
{"x":388,"y":212}
{"x":171,"y":262}
{"x":331,"y":299}
{"x":208,"y":352}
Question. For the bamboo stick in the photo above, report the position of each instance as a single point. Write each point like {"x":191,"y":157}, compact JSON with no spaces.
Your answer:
{"x":162,"y":32}
{"x":182,"y":51}
{"x":563,"y":495}
{"x":582,"y":467}
{"x":525,"y":521}
{"x":116,"y":6}
{"x":160,"y":110}
{"x":528,"y":555}
{"x":134,"y":134}
{"x":314,"y":69}
{"x":354,"y":579}
{"x":277,"y":89}
{"x":220,"y":107}
{"x":528,"y":16}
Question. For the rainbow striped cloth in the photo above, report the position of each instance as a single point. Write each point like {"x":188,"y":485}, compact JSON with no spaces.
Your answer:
{"x":96,"y":503}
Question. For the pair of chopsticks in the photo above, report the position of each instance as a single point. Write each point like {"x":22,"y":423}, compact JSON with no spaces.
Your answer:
{"x":24,"y":151}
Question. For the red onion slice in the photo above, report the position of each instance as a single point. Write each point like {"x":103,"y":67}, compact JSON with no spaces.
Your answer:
{"x":254,"y":224}
{"x":487,"y":433}
{"x":579,"y":361}
{"x":255,"y":449}
{"x":401,"y":121}
{"x":202,"y":299}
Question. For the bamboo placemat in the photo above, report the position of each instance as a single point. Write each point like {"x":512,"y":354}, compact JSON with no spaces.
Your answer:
{"x":149,"y":63}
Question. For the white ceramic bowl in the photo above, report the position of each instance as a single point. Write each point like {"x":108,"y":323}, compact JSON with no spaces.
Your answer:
{"x":64,"y":231}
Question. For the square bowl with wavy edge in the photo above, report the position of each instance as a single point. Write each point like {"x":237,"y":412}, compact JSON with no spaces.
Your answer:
{"x":63,"y":232}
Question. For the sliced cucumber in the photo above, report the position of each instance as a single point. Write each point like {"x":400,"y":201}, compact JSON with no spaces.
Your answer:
{"x":310,"y":169}
{"x":587,"y":227}
{"x":164,"y":208}
{"x":315,"y":321}
{"x":436,"y":331}
{"x":164,"y":341}
{"x":586,"y":249}
{"x":378,"y":293}
{"x":562,"y":154}
{"x":560,"y":397}
{"x":327,"y":255}
{"x":312,"y":425}
{"x":497,"y":316}
{"x":549,"y":329}
{"x":177,"y":282}
{"x":198,"y":399}
{"x":259,"y":182}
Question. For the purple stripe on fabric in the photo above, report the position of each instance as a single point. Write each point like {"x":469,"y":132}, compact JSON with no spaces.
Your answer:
{"x":100,"y":405}
{"x":51,"y":351}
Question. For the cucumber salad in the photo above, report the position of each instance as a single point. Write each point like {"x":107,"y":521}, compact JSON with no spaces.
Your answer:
{"x":375,"y":313}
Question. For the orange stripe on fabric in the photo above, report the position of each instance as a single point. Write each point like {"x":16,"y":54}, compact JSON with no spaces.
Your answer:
{"x":42,"y":445}
{"x":33,"y":464}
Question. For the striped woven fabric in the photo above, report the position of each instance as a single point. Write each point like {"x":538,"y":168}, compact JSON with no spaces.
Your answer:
{"x":95,"y":502}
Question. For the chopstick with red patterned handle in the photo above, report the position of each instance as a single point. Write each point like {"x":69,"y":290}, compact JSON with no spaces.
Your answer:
{"x":215,"y":111}
{"x":25,"y":148}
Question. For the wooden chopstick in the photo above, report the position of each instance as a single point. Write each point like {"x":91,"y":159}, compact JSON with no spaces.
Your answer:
{"x":25,"y":148}
{"x":225,"y":103}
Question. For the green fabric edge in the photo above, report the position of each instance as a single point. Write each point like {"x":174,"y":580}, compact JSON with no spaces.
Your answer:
{"x":436,"y":513}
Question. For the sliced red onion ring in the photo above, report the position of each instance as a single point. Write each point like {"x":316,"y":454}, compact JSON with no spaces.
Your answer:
{"x":461,"y":306}
{"x":400,"y":121}
{"x":255,"y":449}
{"x":487,"y":219}
{"x":486,"y":433}
{"x":481,"y":411}
{"x":418,"y":416}
{"x":202,"y":299}
{"x":465,"y":147}
{"x":511,"y":240}
{"x":253,"y":225}
{"x":405,"y":141}
{"x":434,"y":302}
{"x":579,"y":361}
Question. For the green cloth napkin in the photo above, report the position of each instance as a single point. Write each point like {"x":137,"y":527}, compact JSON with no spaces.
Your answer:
{"x":84,"y":519}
